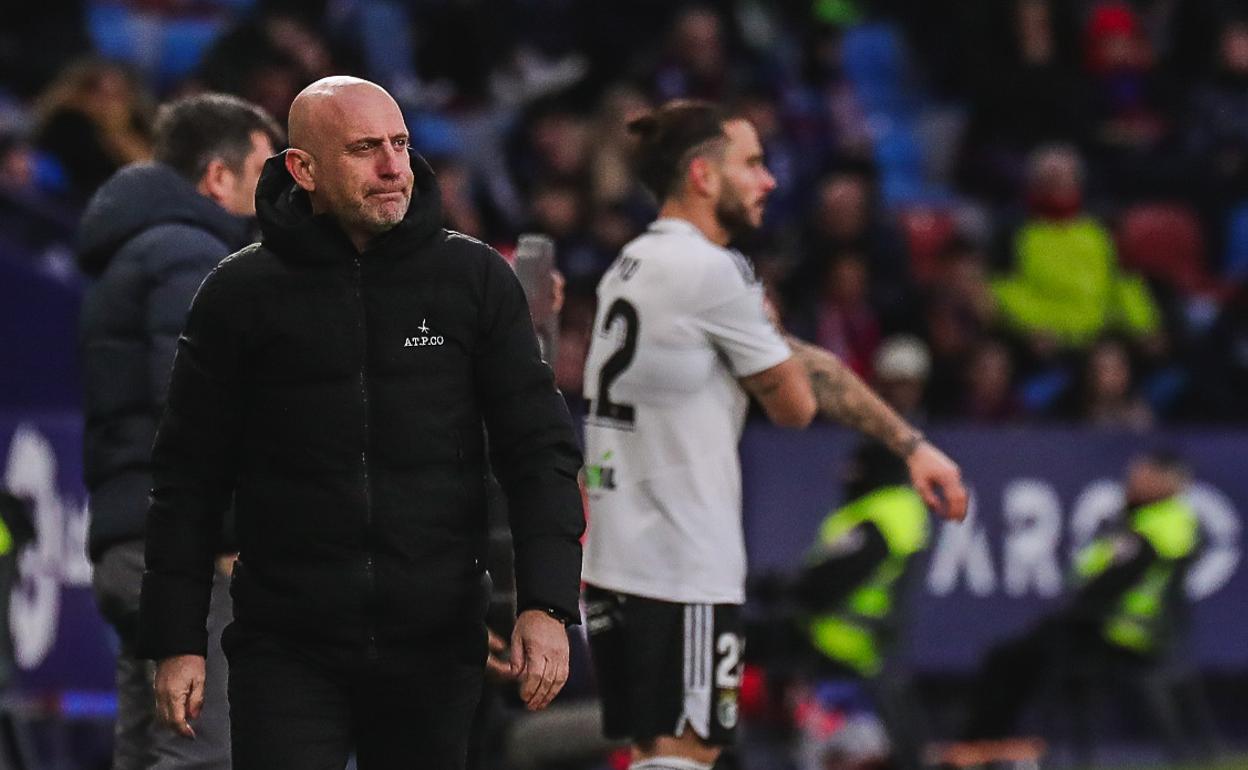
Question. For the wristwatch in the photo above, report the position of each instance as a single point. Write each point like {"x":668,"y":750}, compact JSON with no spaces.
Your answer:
{"x":558,"y":615}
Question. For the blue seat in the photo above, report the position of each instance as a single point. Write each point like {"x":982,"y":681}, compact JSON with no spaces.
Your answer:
{"x":873,"y":52}
{"x":112,"y":31}
{"x":184,"y":43}
{"x":1235,"y":260}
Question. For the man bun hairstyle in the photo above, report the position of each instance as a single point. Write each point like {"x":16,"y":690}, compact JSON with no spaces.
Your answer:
{"x":192,"y":132}
{"x":672,"y":136}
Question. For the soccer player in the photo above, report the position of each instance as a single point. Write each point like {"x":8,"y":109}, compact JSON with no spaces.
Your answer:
{"x":681,"y":337}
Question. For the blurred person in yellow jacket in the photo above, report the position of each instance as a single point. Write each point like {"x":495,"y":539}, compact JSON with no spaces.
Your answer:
{"x":1067,"y":288}
{"x":1126,"y":602}
{"x":849,"y":600}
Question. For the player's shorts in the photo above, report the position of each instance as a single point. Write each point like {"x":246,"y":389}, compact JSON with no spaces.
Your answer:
{"x":664,"y":667}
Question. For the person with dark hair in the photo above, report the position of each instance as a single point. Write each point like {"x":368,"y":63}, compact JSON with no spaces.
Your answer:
{"x":850,"y":596}
{"x":1126,"y":603}
{"x":148,"y":238}
{"x":94,"y":118}
{"x":335,"y":382}
{"x":681,"y":340}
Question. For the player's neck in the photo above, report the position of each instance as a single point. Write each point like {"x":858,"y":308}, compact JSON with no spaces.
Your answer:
{"x":700,"y":216}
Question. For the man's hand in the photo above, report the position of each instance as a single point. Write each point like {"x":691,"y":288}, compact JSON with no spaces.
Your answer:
{"x":932,"y":472}
{"x":539,"y":657}
{"x":498,"y":661}
{"x":225,"y":564}
{"x":557,"y":285}
{"x":180,"y":691}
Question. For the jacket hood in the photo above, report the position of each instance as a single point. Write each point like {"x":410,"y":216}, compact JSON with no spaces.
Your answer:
{"x":292,"y":231}
{"x":139,"y":197}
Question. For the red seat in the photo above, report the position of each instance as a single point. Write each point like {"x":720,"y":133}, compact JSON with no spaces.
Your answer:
{"x":927,"y":231}
{"x":1164,"y":241}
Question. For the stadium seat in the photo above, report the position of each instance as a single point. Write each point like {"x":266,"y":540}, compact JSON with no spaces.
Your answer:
{"x":1235,"y":260}
{"x":873,"y":52}
{"x":1164,"y":241}
{"x":184,"y":45}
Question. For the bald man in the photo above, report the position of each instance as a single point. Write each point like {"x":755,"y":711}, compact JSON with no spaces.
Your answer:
{"x":336,"y":382}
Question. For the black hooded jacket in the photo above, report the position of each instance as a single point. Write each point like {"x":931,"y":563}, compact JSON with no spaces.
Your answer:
{"x":148,"y":238}
{"x":343,"y":400}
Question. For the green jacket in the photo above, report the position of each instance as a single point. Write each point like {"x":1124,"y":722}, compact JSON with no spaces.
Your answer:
{"x":857,"y":633}
{"x":1139,"y":619}
{"x":1067,"y":283}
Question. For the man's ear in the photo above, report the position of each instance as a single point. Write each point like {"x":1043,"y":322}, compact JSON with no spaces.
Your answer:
{"x":301,"y":166}
{"x":217,"y":182}
{"x":703,"y":177}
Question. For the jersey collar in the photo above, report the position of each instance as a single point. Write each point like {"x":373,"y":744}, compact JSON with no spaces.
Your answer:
{"x":676,"y":226}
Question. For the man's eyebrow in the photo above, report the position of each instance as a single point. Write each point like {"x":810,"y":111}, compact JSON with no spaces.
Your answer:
{"x":375,"y":139}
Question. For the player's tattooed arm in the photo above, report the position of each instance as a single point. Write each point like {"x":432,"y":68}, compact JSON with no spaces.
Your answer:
{"x":841,"y":396}
{"x":845,"y":398}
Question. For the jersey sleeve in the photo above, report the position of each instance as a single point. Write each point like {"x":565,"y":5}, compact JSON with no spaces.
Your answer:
{"x":735,"y":320}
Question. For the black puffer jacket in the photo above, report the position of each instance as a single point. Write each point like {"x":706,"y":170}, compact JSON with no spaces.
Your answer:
{"x":342,"y":399}
{"x":148,"y":238}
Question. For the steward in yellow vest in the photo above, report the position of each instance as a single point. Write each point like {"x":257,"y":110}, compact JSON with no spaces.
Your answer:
{"x":851,"y":593}
{"x":853,"y":581}
{"x":1127,"y":595}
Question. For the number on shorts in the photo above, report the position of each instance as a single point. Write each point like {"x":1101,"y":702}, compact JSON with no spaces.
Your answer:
{"x":728,"y":672}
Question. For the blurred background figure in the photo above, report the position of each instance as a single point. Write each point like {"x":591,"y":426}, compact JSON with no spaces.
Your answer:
{"x":93,"y":119}
{"x":1067,"y":286}
{"x":1126,"y":611}
{"x":149,"y":237}
{"x":902,"y":366}
{"x":850,"y":602}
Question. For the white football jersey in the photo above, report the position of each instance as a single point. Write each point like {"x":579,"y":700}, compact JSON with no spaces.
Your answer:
{"x":679,"y":320}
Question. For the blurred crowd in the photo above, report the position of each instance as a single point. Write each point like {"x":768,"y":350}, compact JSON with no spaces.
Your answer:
{"x":995,"y":210}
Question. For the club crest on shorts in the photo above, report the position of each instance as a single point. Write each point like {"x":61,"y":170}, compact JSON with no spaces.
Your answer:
{"x":726,"y":710}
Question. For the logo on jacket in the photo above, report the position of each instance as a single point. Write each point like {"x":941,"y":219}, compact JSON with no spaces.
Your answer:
{"x":425,"y":339}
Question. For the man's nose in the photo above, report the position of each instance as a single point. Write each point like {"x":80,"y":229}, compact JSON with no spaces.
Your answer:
{"x":769,"y":181}
{"x":392,"y":162}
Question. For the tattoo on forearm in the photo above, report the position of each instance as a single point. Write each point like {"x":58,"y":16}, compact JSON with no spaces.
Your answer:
{"x":843,"y":397}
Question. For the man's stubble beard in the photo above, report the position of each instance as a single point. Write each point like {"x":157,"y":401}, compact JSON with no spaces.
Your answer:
{"x":733,"y":215}
{"x":378,"y":220}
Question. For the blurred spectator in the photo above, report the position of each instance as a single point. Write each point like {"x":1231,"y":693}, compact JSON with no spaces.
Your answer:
{"x":17,"y":164}
{"x":838,"y":315}
{"x":551,"y":144}
{"x":1217,"y":123}
{"x":958,"y":310}
{"x":696,"y":64}
{"x":612,"y":176}
{"x":94,"y":119}
{"x":32,"y":220}
{"x":1067,"y":288}
{"x":988,"y":390}
{"x":460,"y":209}
{"x":823,"y":111}
{"x":576,"y":324}
{"x":844,"y":215}
{"x":1029,"y":94}
{"x":36,"y":40}
{"x":1107,"y":396}
{"x":958,"y":305}
{"x":1128,"y":100}
{"x":267,"y":60}
{"x":902,"y":366}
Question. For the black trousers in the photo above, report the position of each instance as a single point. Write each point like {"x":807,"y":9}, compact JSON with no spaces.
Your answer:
{"x":1015,"y":671}
{"x":297,"y":707}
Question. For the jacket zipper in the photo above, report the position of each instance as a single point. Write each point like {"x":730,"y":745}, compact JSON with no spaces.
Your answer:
{"x":369,"y":569}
